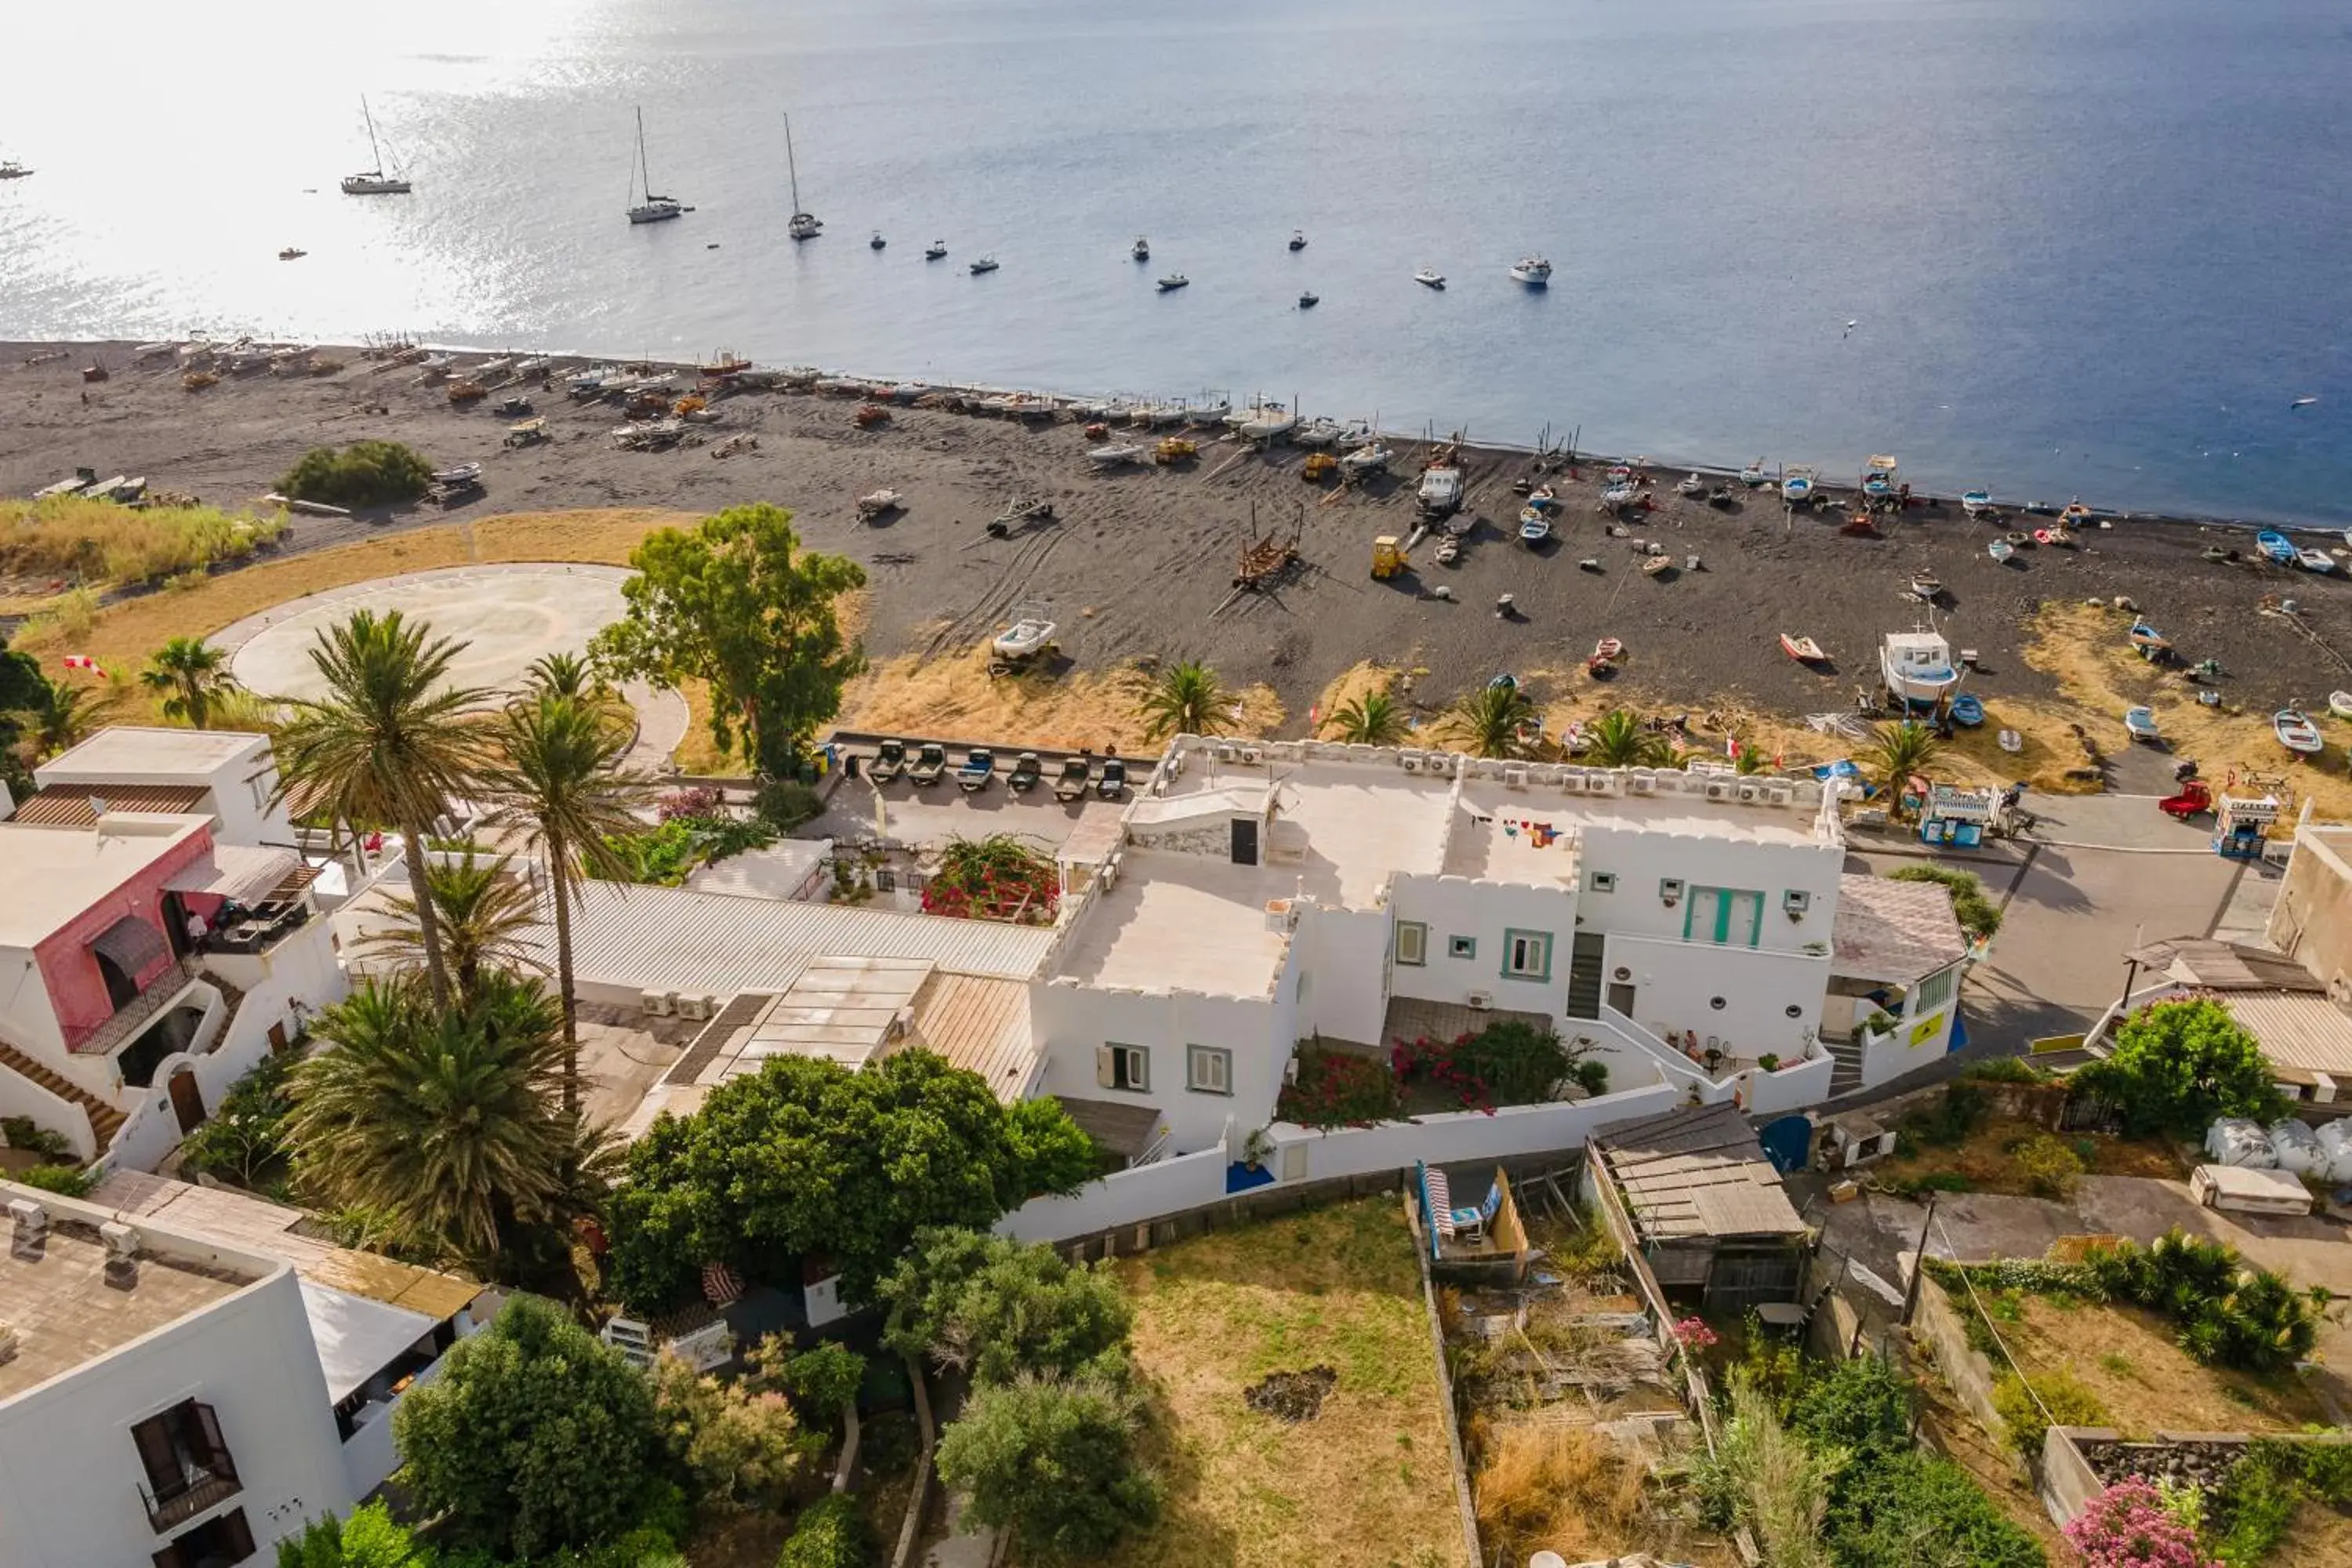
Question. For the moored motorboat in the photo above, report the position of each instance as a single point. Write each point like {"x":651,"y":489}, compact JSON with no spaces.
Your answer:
{"x":13,"y":170}
{"x":878,"y":242}
{"x":292,"y":253}
{"x":1430,"y":278}
{"x":1141,"y":250}
{"x":1298,"y":239}
{"x":2295,"y":732}
{"x":985,"y":264}
{"x":651,"y":208}
{"x":803,"y":224}
{"x":1174,"y":281}
{"x":1533,"y":271}
{"x":1309,"y":301}
{"x":373,"y":181}
{"x":935,"y":251}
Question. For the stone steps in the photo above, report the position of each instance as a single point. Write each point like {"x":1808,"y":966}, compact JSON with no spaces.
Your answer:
{"x":105,"y":1121}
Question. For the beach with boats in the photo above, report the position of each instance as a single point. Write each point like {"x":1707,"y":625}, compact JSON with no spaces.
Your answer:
{"x":1762,"y":597}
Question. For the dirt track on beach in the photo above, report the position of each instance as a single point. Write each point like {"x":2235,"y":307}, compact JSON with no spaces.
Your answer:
{"x":1139,"y":562}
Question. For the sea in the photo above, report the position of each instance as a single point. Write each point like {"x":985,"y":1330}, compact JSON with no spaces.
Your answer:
{"x":2056,"y":247}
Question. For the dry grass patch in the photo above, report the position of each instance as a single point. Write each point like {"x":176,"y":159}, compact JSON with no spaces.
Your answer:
{"x":1987,"y":1158}
{"x":1364,"y":679}
{"x":954,"y":695}
{"x":2127,"y":1357}
{"x":67,"y":537}
{"x":1368,"y":1479}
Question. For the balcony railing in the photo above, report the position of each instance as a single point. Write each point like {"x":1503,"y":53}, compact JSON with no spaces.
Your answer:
{"x":141,"y":1010}
{"x":214,"y":1483}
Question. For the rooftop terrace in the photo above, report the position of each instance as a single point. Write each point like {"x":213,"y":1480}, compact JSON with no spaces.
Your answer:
{"x":66,"y":1312}
{"x":151,"y":754}
{"x":1181,"y":922}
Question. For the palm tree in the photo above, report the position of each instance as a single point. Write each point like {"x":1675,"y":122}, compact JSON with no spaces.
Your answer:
{"x":1489,"y":721}
{"x":191,"y":672}
{"x":444,"y":1120}
{"x":64,"y":717}
{"x":1185,"y":698}
{"x":558,"y":778}
{"x":568,"y":675}
{"x":485,"y":912}
{"x":390,"y":743}
{"x":1370,"y":720}
{"x":1899,"y":751}
{"x":1617,"y":740}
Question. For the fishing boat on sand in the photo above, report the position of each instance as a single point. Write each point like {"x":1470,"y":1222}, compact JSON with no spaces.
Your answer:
{"x":2317,"y":561}
{"x":1658,"y":565}
{"x":2000,"y":549}
{"x":2295,"y":732}
{"x":1441,"y":484}
{"x":1535,"y":524}
{"x":1755,"y":476}
{"x":1804,"y":650}
{"x":1797,"y":486}
{"x":1320,"y":431}
{"x":1966,"y":711}
{"x":1977,"y":502}
{"x":1926,"y":586}
{"x":2340,"y":704}
{"x":1367,"y":460}
{"x":2147,"y":639}
{"x":876,"y":503}
{"x":1691,"y":484}
{"x":1878,"y":479}
{"x":1917,"y":668}
{"x":2277,"y":547}
{"x":1030,"y":634}
{"x":1114,"y":457}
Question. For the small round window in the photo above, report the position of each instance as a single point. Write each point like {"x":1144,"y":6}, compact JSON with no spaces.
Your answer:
{"x":1794,"y":1011}
{"x":1716,"y":1002}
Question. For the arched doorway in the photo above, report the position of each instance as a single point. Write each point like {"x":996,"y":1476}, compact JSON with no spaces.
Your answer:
{"x":187,"y":1099}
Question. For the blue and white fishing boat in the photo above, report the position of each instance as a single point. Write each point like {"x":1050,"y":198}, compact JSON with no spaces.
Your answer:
{"x":1797,"y":486}
{"x":1976,"y":502}
{"x":2000,"y":549}
{"x":1917,"y":668}
{"x":2276,"y":546}
{"x":1535,"y":524}
{"x":1967,"y":710}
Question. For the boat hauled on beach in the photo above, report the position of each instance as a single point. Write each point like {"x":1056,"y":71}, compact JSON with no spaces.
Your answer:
{"x":1916,"y":668}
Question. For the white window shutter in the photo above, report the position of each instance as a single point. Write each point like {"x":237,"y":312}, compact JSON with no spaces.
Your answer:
{"x":1105,"y":1066}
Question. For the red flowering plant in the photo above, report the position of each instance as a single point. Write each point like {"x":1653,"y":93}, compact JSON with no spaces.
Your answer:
{"x":1508,"y":1062}
{"x":993,"y":878}
{"x":2129,"y":1526}
{"x":1340,"y":1088}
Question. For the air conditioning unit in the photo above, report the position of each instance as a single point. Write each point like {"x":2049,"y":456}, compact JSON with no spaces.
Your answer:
{"x":1779,"y":794}
{"x":1410,"y":762}
{"x":1600,"y":784}
{"x":1251,"y":755}
{"x":1481,"y":1000}
{"x":1718,"y":790}
{"x":1571,"y":783}
{"x":659,"y":1003}
{"x":1749,"y":793}
{"x":1515,"y":778}
{"x":1290,"y":1070}
{"x":1642,"y":784}
{"x":693,"y":1007}
{"x":1224,"y":753}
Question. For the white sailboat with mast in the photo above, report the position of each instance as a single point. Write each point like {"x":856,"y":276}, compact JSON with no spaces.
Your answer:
{"x":804,"y":224}
{"x":653,"y":208}
{"x":373,"y":181}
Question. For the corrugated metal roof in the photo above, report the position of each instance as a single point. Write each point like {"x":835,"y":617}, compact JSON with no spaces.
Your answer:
{"x":238,"y":871}
{"x":68,"y":806}
{"x":842,"y":1008}
{"x":2224,"y":965}
{"x":980,"y":1025}
{"x":2300,"y":1033}
{"x":1899,"y":931}
{"x":1697,"y":1173}
{"x":672,"y":939}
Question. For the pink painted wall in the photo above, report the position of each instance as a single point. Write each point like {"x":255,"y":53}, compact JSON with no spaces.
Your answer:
{"x":70,"y":970}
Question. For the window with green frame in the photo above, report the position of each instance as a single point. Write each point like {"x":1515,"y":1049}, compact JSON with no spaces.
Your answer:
{"x":1729,"y":917}
{"x":1526,"y":956}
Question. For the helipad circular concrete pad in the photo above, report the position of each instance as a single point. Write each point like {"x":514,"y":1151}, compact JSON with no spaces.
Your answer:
{"x":505,"y":617}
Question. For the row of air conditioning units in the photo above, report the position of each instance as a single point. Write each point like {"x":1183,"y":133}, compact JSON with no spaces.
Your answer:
{"x":662,"y":1004}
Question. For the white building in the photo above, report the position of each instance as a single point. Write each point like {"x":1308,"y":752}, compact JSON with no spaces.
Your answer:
{"x":1685,"y":926}
{"x":184,"y":1383}
{"x":119,"y":1029}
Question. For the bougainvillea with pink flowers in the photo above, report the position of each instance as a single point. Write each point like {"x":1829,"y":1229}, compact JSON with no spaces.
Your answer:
{"x":2126,"y":1526}
{"x":1694,"y":1334}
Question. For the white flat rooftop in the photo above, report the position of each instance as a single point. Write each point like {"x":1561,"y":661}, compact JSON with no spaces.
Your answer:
{"x":1360,"y":824}
{"x":55,"y":875}
{"x":141,"y":755}
{"x":1181,"y":922}
{"x":1692,"y":815}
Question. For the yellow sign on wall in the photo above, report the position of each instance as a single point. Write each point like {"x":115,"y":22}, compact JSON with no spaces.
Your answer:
{"x":1925,"y":1029}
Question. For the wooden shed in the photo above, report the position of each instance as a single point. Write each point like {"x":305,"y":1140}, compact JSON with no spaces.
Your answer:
{"x":1708,"y":1210}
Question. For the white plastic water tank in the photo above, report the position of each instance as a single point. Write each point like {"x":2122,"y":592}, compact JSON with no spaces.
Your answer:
{"x":2296,"y":1147}
{"x":2234,"y":1141}
{"x":2335,"y":1143}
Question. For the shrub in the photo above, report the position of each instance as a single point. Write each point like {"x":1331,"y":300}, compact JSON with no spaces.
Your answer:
{"x":2126,"y":1526}
{"x":66,"y":1180}
{"x":1914,"y":1509}
{"x":2256,"y":1502}
{"x":1979,"y":916}
{"x":1864,"y":1407}
{"x":830,"y":1533}
{"x":2226,"y":1314}
{"x":2176,"y":1065}
{"x":694,"y":801}
{"x":1955,"y":1117}
{"x":739,"y":1448}
{"x":786,"y":804}
{"x":366,"y":473}
{"x":1052,"y":1463}
{"x":824,"y":1377}
{"x":2057,"y":1390}
{"x":2008,"y":1069}
{"x":1338,"y":1089}
{"x":99,"y":540}
{"x":24,"y":1133}
{"x":2050,"y":1166}
{"x":1930,"y":1182}
{"x":243,"y":1141}
{"x":371,"y":1538}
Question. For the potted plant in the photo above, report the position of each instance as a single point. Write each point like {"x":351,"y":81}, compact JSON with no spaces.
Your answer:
{"x":1770,"y":1061}
{"x":1256,"y":1147}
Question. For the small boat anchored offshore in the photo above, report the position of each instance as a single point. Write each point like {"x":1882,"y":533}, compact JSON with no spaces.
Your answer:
{"x":1141,"y":250}
{"x":878,"y":242}
{"x":1430,"y":278}
{"x":1298,"y":239}
{"x":1174,"y":282}
{"x":653,"y":208}
{"x":936,"y":250}
{"x":372,"y":181}
{"x":803,"y":224}
{"x":1532,"y":270}
{"x":985,"y":264}
{"x":1309,"y":301}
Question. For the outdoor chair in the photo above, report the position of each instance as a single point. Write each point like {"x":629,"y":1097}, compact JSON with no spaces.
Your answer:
{"x":1439,"y":1200}
{"x":1474,"y":1222}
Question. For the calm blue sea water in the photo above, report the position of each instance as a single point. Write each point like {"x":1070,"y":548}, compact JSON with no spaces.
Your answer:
{"x":2091,"y":246}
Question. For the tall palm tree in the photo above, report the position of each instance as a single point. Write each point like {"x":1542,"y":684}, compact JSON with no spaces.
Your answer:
{"x":559,"y":779}
{"x":1898,"y":750}
{"x":190,"y":672}
{"x":1185,"y":698}
{"x":1489,"y":721}
{"x":484,"y":910}
{"x":1616,"y":740}
{"x":567,"y":675}
{"x":1371,"y":720}
{"x":444,"y":1118}
{"x":391,"y":742}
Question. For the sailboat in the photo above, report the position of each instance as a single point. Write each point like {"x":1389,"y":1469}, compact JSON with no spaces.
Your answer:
{"x":654,"y":208}
{"x":374,"y":182}
{"x":804,"y":225}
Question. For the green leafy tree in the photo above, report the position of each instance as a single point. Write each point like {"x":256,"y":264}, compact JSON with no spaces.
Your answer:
{"x":1896,"y":752}
{"x":830,"y":1533}
{"x":62,"y":716}
{"x":189,"y":673}
{"x":536,"y":1436}
{"x":366,"y":473}
{"x":1183,"y":699}
{"x":1373,"y":719}
{"x":24,"y":691}
{"x":740,"y":1447}
{"x":1617,"y":740}
{"x":391,"y":742}
{"x":807,"y":1158}
{"x":823,"y":1377}
{"x":561,"y":781}
{"x":446,"y":1120}
{"x":1491,"y":721}
{"x":2176,"y":1066}
{"x":998,"y":1309}
{"x":1864,"y":1406}
{"x":483,"y":911}
{"x":1053,"y":1463}
{"x":737,"y":603}
{"x":371,"y":1538}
